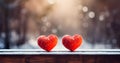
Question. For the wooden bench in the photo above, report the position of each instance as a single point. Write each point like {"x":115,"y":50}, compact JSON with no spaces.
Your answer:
{"x":81,"y":56}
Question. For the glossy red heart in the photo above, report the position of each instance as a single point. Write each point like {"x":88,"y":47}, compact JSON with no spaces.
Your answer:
{"x":72,"y":42}
{"x":47,"y":43}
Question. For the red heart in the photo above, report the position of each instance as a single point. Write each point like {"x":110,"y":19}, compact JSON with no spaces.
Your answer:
{"x":47,"y":43}
{"x":72,"y":42}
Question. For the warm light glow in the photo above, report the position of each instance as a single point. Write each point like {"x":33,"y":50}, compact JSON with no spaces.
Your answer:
{"x":66,"y":14}
{"x":51,"y":1}
{"x":66,"y":11}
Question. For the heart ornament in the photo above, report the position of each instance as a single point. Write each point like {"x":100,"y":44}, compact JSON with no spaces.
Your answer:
{"x":47,"y":43}
{"x":72,"y":42}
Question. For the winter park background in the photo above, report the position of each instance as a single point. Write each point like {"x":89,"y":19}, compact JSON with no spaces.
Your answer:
{"x":22,"y":21}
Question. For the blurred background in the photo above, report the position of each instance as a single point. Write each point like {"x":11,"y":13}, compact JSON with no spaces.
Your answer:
{"x":22,"y":21}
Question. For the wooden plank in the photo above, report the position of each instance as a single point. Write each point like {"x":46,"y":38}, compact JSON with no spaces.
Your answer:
{"x":12,"y":59}
{"x":59,"y":58}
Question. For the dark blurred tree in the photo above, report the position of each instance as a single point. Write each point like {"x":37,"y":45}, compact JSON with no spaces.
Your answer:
{"x":12,"y":10}
{"x":6,"y":24}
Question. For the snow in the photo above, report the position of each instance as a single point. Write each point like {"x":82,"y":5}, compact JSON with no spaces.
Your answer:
{"x":32,"y":44}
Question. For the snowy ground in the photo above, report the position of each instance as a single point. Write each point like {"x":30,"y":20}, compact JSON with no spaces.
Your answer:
{"x":32,"y":44}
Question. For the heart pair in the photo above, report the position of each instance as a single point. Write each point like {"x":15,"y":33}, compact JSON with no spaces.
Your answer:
{"x":70,"y":42}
